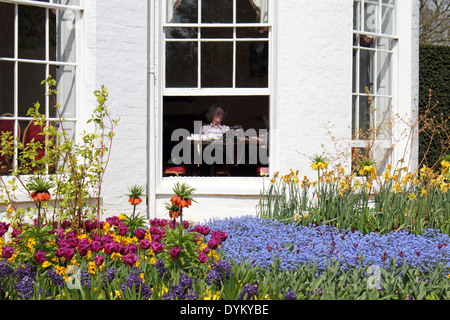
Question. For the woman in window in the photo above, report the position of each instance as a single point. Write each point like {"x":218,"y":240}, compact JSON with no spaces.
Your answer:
{"x":215,"y":116}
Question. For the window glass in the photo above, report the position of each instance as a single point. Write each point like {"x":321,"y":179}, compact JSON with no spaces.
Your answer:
{"x":217,"y":11}
{"x":31,"y":32}
{"x":6,"y":87}
{"x":46,"y":46}
{"x":182,"y":11}
{"x":181,"y":56}
{"x":252,"y":67}
{"x":30,"y":89}
{"x":217,"y":61}
{"x":7,"y":30}
{"x":246,"y":149}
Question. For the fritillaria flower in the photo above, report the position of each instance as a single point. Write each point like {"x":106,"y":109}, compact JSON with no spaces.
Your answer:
{"x":134,"y":196}
{"x":39,"y":191}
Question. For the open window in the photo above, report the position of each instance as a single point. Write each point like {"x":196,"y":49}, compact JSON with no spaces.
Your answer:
{"x":216,"y":53}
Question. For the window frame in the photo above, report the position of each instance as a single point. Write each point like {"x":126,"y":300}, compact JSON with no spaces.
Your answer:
{"x":51,"y":5}
{"x":385,"y":143}
{"x":205,"y":185}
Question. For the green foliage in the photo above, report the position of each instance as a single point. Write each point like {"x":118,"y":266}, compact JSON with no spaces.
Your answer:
{"x":434,"y":103}
{"x":76,"y":170}
{"x":395,"y":200}
{"x":178,"y":237}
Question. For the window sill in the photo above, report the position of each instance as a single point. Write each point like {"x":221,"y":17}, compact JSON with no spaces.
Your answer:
{"x":233,"y":186}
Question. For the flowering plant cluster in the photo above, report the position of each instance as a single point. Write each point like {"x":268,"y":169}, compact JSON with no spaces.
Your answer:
{"x":369,"y":202}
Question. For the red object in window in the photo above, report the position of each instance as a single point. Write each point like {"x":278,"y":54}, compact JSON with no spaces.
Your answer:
{"x":263,"y":171}
{"x":33,"y":132}
{"x":175,"y":170}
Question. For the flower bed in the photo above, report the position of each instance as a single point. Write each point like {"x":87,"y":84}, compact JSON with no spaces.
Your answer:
{"x":259,"y":241}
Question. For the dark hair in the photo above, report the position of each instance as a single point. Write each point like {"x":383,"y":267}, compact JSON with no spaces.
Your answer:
{"x":213,"y":108}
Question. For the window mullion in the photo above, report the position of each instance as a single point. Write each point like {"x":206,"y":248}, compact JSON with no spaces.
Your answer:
{"x":16,"y":81}
{"x":199,"y":45}
{"x":234,"y":45}
{"x":47,"y":57}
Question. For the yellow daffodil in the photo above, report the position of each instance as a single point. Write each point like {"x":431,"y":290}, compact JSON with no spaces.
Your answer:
{"x":397,"y":187}
{"x":412,"y":196}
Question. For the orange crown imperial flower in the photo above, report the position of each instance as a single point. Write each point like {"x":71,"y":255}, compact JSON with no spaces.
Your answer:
{"x":135,"y":201}
{"x":135,"y":194}
{"x":40,"y":196}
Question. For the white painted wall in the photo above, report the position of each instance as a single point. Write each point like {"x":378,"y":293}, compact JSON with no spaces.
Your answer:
{"x":311,"y":87}
{"x":115,"y":33}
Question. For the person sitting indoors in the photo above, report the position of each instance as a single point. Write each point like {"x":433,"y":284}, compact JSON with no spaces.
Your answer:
{"x":216,"y":114}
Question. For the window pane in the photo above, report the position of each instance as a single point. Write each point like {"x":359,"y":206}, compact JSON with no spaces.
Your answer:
{"x":217,"y":64}
{"x":30,"y":89}
{"x":366,"y":71}
{"x":383,"y":116}
{"x":387,"y":26}
{"x":65,"y":80}
{"x":357,"y":15}
{"x":181,"y":56}
{"x":62,"y":35}
{"x":6,"y":87}
{"x":217,"y":11}
{"x":7,"y":30}
{"x":217,"y":33}
{"x":370,"y":16}
{"x":354,"y":117}
{"x":67,"y":2}
{"x":355,"y":71}
{"x":184,"y":116}
{"x":31,"y":32}
{"x":181,"y":33}
{"x":252,"y":64}
{"x":385,"y":44}
{"x":384,"y":73}
{"x":365,"y":125}
{"x":251,"y":11}
{"x":252,"y":32}
{"x":185,"y":11}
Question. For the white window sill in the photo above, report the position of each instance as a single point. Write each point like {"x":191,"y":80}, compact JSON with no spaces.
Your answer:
{"x":237,"y":186}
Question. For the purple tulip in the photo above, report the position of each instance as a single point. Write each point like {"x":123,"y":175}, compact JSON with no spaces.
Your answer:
{"x":213,"y":243}
{"x":123,"y":229}
{"x":83,"y":250}
{"x":139,"y":233}
{"x":157,"y":247}
{"x":7,"y":252}
{"x":132,"y":248}
{"x":39,"y":256}
{"x":145,"y":244}
{"x":202,"y":257}
{"x":175,"y":252}
{"x":99,"y":260}
{"x":69,"y":253}
{"x":113,"y":221}
{"x":60,"y":252}
{"x":123,"y":250}
{"x":96,"y":246}
{"x":130,"y":259}
{"x":220,"y":235}
{"x":3,"y":228}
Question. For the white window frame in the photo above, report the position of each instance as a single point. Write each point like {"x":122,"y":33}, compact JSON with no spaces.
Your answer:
{"x":205,"y":185}
{"x":385,"y":143}
{"x":77,"y":9}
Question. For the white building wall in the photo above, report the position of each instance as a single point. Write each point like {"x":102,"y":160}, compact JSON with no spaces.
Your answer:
{"x":115,"y":33}
{"x":312,"y":61}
